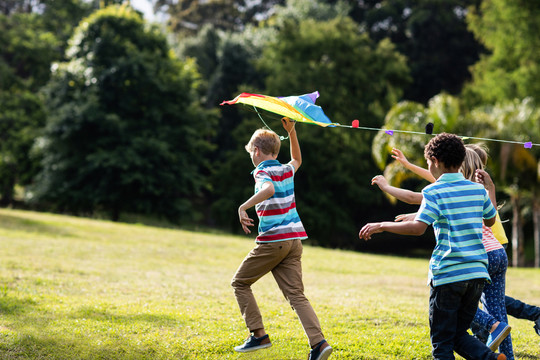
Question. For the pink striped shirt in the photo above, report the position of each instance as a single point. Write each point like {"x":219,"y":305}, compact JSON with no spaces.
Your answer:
{"x":489,"y":240}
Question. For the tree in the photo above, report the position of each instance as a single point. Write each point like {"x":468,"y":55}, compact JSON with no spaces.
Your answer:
{"x":125,"y":131}
{"x":514,"y":168}
{"x":509,"y":30}
{"x":356,"y":78}
{"x":446,"y":114}
{"x":432,"y":34}
{"x":190,"y":16}
{"x":26,"y":52}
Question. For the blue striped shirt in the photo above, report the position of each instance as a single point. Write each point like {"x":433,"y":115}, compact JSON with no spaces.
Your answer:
{"x":278,"y":218}
{"x":455,"y":207}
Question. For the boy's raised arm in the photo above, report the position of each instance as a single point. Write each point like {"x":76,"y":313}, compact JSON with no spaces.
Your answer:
{"x":296,"y":154}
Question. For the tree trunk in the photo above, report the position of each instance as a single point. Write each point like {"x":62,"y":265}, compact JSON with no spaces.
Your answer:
{"x":517,"y":233}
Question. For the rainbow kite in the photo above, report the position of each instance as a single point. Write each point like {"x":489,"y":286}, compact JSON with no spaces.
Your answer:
{"x":300,"y":108}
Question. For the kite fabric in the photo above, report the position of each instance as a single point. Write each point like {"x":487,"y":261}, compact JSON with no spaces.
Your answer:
{"x":300,"y":108}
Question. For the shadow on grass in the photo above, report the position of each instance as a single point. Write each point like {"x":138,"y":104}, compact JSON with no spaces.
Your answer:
{"x":26,"y":345}
{"x":13,"y":305}
{"x":525,"y":356}
{"x":32,"y":226}
{"x":93,"y":313}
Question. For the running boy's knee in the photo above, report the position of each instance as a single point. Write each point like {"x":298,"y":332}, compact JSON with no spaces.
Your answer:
{"x":238,"y":284}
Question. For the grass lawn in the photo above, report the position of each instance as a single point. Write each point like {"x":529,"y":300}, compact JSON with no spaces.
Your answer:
{"x":73,"y":288}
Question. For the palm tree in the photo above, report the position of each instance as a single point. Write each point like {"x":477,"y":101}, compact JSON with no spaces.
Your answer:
{"x":408,"y":121}
{"x":517,"y":169}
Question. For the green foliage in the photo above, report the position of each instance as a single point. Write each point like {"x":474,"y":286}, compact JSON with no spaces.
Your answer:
{"x":519,"y":121}
{"x":125,"y":131}
{"x":311,"y":55}
{"x":62,"y":17}
{"x":443,"y":111}
{"x":26,"y":51}
{"x":190,"y":16}
{"x":21,"y":119}
{"x":509,"y":29}
{"x":432,"y":34}
{"x":73,"y":288}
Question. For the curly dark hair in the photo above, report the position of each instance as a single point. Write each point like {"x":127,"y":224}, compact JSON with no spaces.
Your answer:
{"x":447,"y":148}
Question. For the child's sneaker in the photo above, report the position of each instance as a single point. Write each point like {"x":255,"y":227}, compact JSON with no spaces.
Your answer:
{"x":537,"y":326}
{"x":253,"y":343}
{"x":498,"y":335}
{"x":320,"y":352}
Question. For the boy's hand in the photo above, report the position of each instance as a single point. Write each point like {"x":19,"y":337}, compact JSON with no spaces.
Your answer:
{"x":380,"y":181}
{"x":398,"y":155}
{"x":245,"y":220}
{"x":405,"y":217}
{"x":368,"y":230}
{"x":288,"y":124}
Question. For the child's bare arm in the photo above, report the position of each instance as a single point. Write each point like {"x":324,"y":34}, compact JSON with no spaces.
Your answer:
{"x":402,"y":228}
{"x":407,"y":196}
{"x":398,"y":155}
{"x":482,"y":177}
{"x":296,"y":154}
{"x":267,"y":190}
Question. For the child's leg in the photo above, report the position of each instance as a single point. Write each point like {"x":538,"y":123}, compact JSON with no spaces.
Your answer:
{"x":261,"y":260}
{"x":288,"y":275}
{"x":520,"y":310}
{"x":481,"y":324}
{"x":494,"y":294}
{"x":451,"y":310}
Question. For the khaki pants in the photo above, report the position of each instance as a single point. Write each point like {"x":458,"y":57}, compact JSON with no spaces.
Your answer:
{"x":283,"y":259}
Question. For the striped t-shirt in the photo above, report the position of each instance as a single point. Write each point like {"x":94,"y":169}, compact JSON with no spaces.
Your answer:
{"x":489,"y":240}
{"x":455,"y":207}
{"x":278,"y":219}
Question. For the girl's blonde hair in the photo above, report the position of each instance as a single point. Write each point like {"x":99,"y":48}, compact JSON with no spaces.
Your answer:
{"x":471,"y":163}
{"x":481,"y":150}
{"x":266,"y":140}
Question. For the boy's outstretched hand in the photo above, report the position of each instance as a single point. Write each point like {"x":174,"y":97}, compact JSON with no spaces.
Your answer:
{"x":245,"y":220}
{"x":405,"y":217}
{"x":398,"y":155}
{"x":288,"y":124}
{"x":381,"y":182}
{"x":368,"y":230}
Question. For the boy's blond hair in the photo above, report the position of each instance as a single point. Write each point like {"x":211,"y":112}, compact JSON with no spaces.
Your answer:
{"x":266,"y":140}
{"x":471,"y":163}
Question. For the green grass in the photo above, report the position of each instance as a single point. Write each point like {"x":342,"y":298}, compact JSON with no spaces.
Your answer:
{"x":73,"y":288}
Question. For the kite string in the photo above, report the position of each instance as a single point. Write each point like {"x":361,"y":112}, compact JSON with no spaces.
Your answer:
{"x":388,"y":131}
{"x":265,"y":124}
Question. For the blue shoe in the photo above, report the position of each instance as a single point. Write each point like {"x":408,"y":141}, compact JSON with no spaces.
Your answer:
{"x":498,"y":335}
{"x":253,"y":343}
{"x":320,"y":352}
{"x":537,"y":326}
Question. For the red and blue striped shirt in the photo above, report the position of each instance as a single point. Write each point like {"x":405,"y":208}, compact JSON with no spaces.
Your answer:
{"x":278,"y":218}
